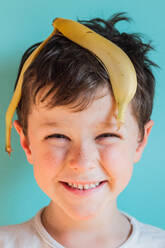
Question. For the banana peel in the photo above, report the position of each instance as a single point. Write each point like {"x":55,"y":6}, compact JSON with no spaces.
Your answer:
{"x":116,"y":62}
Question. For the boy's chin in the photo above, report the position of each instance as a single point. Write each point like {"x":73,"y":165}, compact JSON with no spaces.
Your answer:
{"x":82,"y":215}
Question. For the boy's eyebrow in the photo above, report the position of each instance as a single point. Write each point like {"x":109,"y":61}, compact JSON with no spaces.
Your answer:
{"x":51,"y":124}
{"x":106,"y":125}
{"x":57,"y":124}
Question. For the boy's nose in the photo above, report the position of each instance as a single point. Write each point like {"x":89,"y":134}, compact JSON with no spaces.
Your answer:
{"x":82,"y":158}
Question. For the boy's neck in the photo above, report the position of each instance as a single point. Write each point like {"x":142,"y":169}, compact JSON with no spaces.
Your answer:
{"x":110,"y":228}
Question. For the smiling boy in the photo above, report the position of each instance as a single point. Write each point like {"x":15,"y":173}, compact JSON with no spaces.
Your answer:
{"x":81,"y":160}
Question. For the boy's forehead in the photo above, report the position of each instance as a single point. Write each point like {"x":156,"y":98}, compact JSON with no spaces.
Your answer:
{"x":102,"y":112}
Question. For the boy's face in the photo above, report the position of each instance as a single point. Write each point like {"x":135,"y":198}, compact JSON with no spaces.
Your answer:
{"x":83,"y":153}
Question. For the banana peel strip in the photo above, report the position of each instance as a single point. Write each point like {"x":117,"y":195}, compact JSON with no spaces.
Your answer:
{"x":17,"y":94}
{"x":119,"y":67}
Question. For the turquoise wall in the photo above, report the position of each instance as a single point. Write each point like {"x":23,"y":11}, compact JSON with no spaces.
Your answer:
{"x":23,"y":23}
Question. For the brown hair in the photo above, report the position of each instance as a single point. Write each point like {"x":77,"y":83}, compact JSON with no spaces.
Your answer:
{"x":74,"y":74}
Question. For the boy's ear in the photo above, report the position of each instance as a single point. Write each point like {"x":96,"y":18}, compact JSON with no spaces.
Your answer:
{"x":23,"y":140}
{"x":143,"y":143}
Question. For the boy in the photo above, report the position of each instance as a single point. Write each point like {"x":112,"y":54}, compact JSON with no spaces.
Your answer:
{"x":81,"y":160}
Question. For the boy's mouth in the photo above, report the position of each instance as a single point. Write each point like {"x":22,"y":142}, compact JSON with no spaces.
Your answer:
{"x":83,"y":188}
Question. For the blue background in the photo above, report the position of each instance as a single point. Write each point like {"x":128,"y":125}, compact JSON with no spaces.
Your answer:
{"x":23,"y":23}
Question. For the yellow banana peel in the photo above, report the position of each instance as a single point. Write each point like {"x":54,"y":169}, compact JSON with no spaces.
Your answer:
{"x":116,"y":62}
{"x":17,"y":94}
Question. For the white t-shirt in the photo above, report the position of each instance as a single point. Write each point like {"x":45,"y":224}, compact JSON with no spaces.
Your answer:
{"x":32,"y":234}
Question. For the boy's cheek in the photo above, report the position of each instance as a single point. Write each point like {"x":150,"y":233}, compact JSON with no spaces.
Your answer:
{"x":50,"y":160}
{"x":119,"y":166}
{"x":114,"y":157}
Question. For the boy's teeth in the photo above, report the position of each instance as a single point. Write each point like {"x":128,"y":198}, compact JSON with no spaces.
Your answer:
{"x":80,"y":186}
{"x":86,"y":186}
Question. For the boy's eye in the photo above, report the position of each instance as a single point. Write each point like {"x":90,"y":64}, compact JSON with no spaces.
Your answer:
{"x":57,"y":136}
{"x":107,"y":135}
